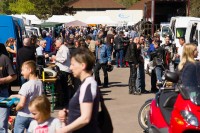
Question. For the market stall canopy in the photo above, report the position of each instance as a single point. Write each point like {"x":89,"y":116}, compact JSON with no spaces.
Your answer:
{"x":99,"y":20}
{"x":76,"y":23}
{"x":32,"y":18}
{"x":49,"y":24}
{"x":61,"y":19}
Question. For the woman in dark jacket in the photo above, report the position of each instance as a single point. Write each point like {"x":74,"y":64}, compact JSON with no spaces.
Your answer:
{"x":188,"y":67}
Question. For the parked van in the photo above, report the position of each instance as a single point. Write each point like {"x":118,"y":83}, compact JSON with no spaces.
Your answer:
{"x":11,"y":27}
{"x":179,"y":26}
{"x":193,"y":33}
{"x":165,"y":30}
{"x":35,"y":30}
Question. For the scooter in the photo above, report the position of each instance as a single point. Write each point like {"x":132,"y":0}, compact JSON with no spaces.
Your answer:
{"x":173,"y":110}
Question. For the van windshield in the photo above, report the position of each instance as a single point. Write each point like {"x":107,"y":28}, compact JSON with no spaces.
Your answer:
{"x":180,"y":32}
{"x":166,"y":31}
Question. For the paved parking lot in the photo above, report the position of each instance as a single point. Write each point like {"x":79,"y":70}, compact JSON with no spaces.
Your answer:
{"x":122,"y":106}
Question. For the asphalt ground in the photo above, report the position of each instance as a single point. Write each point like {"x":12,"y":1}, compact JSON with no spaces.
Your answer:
{"x":123,"y":107}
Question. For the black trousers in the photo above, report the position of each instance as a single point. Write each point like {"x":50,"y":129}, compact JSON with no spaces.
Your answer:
{"x":63,"y":89}
{"x":133,"y":77}
{"x":97,"y":68}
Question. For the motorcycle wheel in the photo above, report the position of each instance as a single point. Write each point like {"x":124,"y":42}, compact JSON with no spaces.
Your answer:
{"x":143,"y":115}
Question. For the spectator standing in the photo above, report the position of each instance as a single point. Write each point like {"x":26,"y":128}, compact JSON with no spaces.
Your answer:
{"x":180,"y":51}
{"x":49,"y":42}
{"x":11,"y":48}
{"x":84,"y":106}
{"x":62,"y":60}
{"x":170,"y":51}
{"x":119,"y":48}
{"x":7,"y":75}
{"x":188,"y":67}
{"x":140,"y":83}
{"x":28,"y":91}
{"x":40,"y":49}
{"x":158,"y":59}
{"x":132,"y":58}
{"x":103,"y":58}
{"x":25,"y":53}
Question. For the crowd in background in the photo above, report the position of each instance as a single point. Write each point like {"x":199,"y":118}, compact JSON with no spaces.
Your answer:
{"x":110,"y":47}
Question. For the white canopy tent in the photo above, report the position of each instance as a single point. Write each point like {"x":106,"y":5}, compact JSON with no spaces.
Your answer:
{"x":61,"y":19}
{"x":99,"y":20}
{"x":32,"y":18}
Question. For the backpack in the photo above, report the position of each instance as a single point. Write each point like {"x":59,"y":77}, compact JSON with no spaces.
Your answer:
{"x":104,"y":119}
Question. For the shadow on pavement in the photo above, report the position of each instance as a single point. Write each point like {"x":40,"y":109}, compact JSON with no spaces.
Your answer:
{"x":108,"y":99}
{"x":119,"y":85}
{"x":110,"y":83}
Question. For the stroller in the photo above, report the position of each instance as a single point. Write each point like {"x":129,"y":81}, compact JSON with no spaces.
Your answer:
{"x":10,"y":103}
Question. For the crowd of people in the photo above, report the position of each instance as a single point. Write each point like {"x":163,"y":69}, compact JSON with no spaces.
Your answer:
{"x":80,"y":54}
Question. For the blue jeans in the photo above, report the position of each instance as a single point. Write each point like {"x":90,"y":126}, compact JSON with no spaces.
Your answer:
{"x":159,"y":72}
{"x":21,"y":123}
{"x":119,"y":56}
{"x":140,"y":81}
{"x":4,"y":113}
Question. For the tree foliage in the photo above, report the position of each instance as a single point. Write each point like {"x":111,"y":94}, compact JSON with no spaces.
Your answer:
{"x":46,"y":8}
{"x":194,"y":8}
{"x":41,"y":8}
{"x":22,"y":6}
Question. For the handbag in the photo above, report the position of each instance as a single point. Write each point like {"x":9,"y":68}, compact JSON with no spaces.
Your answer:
{"x":104,"y":119}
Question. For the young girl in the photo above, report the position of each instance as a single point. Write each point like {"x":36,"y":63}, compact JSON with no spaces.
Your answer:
{"x":40,"y":108}
{"x":11,"y":48}
{"x":28,"y":91}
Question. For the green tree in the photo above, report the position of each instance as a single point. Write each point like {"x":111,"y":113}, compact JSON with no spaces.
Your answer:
{"x":194,"y":8}
{"x":46,"y":8}
{"x":22,"y":6}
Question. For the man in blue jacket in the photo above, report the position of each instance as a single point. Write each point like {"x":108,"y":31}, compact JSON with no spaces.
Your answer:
{"x":103,"y":58}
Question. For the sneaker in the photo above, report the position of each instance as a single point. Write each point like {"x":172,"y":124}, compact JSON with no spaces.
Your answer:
{"x":159,"y":83}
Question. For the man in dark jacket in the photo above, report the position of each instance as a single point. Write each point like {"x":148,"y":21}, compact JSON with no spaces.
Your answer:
{"x":158,"y":58}
{"x":133,"y":58}
{"x":25,"y":53}
{"x":7,"y":75}
{"x":119,"y":48}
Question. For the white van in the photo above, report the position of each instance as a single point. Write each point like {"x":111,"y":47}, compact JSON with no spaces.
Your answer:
{"x":35,"y":30}
{"x":165,"y":30}
{"x":192,"y":34}
{"x":179,"y":26}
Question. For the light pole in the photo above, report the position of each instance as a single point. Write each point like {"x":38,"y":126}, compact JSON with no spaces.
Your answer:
{"x":152,"y":16}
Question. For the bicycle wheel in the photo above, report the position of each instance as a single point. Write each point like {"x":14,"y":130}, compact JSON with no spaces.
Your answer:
{"x":143,"y":115}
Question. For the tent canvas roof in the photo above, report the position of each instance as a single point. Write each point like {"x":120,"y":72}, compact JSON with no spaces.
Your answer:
{"x":76,"y":23}
{"x":49,"y":24}
{"x":99,"y":20}
{"x":60,"y":19}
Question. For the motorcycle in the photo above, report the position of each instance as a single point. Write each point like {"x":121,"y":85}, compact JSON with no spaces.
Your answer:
{"x":173,"y":110}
